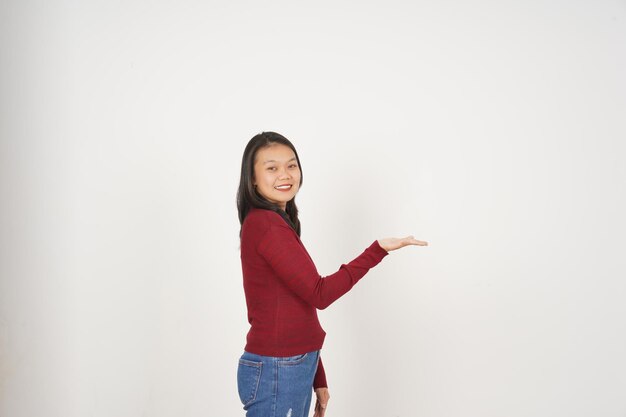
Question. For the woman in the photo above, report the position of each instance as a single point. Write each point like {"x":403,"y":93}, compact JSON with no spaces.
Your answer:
{"x":281,"y":363}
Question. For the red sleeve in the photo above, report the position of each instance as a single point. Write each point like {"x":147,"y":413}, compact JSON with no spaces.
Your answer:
{"x":320,"y":376}
{"x":281,"y":248}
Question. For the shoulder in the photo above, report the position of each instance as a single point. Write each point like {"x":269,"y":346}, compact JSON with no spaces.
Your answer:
{"x":262,"y":219}
{"x":262,"y":215}
{"x":261,"y":225}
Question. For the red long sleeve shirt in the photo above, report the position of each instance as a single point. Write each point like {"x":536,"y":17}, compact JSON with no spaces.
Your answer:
{"x":284,"y":290}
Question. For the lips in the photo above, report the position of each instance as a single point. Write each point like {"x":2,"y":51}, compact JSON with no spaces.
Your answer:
{"x":283,"y":187}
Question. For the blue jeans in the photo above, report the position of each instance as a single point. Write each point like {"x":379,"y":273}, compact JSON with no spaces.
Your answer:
{"x":276,"y":386}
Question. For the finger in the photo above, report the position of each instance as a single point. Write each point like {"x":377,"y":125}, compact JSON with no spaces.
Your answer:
{"x":317,"y":410}
{"x":414,"y":241}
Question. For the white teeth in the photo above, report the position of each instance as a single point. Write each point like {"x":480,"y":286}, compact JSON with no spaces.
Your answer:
{"x":283,"y":187}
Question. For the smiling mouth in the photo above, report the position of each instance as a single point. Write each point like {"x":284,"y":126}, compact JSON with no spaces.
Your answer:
{"x":283,"y":187}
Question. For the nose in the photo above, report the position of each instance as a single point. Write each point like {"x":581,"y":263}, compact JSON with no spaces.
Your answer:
{"x":285,"y":173}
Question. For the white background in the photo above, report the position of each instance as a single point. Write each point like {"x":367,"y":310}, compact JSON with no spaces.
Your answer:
{"x":492,"y":129}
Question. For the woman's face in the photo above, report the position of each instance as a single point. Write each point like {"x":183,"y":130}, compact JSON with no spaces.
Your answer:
{"x":275,"y":166}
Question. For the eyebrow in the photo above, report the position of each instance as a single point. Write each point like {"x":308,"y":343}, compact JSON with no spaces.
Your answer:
{"x":271,"y":160}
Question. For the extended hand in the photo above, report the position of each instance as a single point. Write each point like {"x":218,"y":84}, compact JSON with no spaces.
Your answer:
{"x":393,"y":243}
{"x":322,"y":401}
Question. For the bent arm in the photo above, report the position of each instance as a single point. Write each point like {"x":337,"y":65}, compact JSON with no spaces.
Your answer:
{"x":281,"y":248}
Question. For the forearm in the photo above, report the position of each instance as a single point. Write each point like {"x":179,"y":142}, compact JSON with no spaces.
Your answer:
{"x":320,"y":376}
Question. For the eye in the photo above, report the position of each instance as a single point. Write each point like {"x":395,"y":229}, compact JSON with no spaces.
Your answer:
{"x":271,"y":168}
{"x":294,"y":166}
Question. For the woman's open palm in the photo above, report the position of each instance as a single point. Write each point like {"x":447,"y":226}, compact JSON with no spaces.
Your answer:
{"x":393,"y":243}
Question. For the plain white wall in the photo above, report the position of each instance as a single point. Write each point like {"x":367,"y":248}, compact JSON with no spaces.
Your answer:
{"x":493,"y":130}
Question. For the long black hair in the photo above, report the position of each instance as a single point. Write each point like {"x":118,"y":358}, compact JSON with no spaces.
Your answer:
{"x":247,"y":195}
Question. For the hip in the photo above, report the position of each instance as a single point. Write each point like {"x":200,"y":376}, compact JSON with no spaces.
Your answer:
{"x":275,"y":379}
